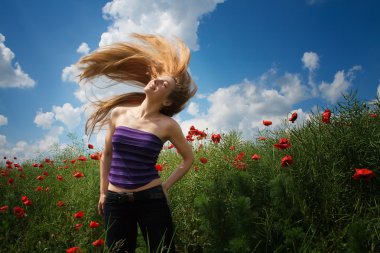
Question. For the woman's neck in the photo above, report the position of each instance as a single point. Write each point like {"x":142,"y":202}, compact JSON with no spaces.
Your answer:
{"x":147,"y":110}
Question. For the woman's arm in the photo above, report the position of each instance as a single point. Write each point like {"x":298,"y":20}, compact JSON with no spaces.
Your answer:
{"x":105,"y":162}
{"x":179,"y":141}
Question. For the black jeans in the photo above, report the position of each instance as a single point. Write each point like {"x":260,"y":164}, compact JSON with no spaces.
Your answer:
{"x":149,"y":209}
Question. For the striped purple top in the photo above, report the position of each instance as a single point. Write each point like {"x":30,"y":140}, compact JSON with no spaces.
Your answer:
{"x":134,"y":156}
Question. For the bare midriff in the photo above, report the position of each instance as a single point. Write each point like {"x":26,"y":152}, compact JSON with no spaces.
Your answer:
{"x":151,"y":184}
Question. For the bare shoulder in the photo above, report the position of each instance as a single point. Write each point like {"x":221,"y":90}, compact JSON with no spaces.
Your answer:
{"x":172,"y":128}
{"x":117,"y":112}
{"x":170,"y":123}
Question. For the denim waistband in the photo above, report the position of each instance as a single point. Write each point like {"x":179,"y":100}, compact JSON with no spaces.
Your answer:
{"x":148,"y":194}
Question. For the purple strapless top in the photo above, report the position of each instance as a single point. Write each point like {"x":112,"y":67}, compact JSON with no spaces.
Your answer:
{"x":134,"y":156}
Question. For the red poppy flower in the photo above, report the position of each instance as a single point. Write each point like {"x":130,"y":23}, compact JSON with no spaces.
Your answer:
{"x":215,"y":138}
{"x":19,"y":212}
{"x":373,"y":115}
{"x":59,"y":177}
{"x":8,"y":162}
{"x":203,"y":160}
{"x":239,"y":164}
{"x":193,"y":130}
{"x":94,"y":224}
{"x":363,"y":173}
{"x":3,"y":209}
{"x":73,"y":250}
{"x":240,"y":156}
{"x":60,"y":203}
{"x":64,"y":161}
{"x":82,"y":158}
{"x":78,"y":226}
{"x":189,"y":137}
{"x":45,"y":173}
{"x":284,"y":144}
{"x":35,"y":165}
{"x":267,"y":122}
{"x":73,"y":161}
{"x":10,"y":181}
{"x":79,"y":214}
{"x":255,"y":157}
{"x":40,"y":178}
{"x":16,"y":165}
{"x":286,"y":161}
{"x":98,"y":243}
{"x":159,"y":167}
{"x":28,"y":202}
{"x":78,"y":174}
{"x":201,"y":135}
{"x":47,"y":160}
{"x":39,"y":188}
{"x":90,"y":146}
{"x":170,"y":146}
{"x":293,"y":117}
{"x":326,"y":116}
{"x":95,"y":156}
{"x":40,"y":166}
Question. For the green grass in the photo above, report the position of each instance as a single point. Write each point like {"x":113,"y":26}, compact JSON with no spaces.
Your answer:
{"x":314,"y":205}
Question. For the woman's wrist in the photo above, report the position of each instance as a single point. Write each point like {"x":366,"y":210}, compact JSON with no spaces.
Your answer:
{"x":165,"y":186}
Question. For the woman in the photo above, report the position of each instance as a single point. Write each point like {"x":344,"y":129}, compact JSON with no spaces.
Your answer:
{"x":131,"y":191}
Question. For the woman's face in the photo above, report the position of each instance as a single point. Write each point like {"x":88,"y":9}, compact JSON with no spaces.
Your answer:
{"x":161,"y":87}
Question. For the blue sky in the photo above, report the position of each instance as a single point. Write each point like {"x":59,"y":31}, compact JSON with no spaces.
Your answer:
{"x":252,"y":60}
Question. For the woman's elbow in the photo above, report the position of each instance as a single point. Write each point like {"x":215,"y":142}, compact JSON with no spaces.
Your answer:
{"x":190,"y":159}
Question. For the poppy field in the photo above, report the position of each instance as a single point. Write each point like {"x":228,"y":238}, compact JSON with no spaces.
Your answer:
{"x":308,"y":188}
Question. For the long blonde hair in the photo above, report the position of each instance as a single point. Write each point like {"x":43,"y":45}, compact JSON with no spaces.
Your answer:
{"x":137,"y":63}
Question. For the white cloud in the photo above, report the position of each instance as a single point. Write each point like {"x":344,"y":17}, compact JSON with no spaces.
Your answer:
{"x":68,"y":115}
{"x":83,"y":48}
{"x":3,"y":120}
{"x":30,"y":151}
{"x":44,"y":120}
{"x":3,"y":140}
{"x":52,"y":137}
{"x":332,"y":92}
{"x":12,"y":76}
{"x":193,"y":109}
{"x":180,"y":18}
{"x":71,"y":74}
{"x":245,"y":105}
{"x":100,"y":137}
{"x":310,"y":60}
{"x":292,"y":88}
{"x":200,"y":95}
